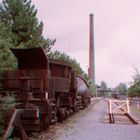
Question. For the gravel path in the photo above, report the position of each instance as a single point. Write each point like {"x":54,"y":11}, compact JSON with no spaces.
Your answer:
{"x":92,"y":124}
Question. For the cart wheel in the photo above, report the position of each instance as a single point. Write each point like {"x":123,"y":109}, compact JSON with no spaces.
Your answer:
{"x":45,"y":121}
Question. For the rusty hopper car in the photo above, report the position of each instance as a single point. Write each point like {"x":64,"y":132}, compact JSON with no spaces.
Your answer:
{"x":45,"y":91}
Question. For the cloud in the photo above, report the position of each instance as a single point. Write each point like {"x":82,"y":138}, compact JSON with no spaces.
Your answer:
{"x":117,"y":32}
{"x":125,"y":44}
{"x":121,"y":54}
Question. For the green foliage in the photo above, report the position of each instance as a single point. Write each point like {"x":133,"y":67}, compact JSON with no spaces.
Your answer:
{"x":19,"y":29}
{"x":122,"y":88}
{"x":134,"y":89}
{"x":20,"y":16}
{"x":2,"y":125}
{"x":7,"y":60}
{"x":7,"y":103}
{"x":103,"y":89}
{"x":5,"y":43}
{"x":103,"y":85}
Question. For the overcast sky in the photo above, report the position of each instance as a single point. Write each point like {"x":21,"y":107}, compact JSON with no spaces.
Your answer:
{"x":117,"y":34}
{"x":116,"y":31}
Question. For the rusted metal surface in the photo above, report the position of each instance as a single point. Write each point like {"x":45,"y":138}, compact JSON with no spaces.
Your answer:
{"x":15,"y":123}
{"x":83,"y":91}
{"x":25,"y":81}
{"x":62,"y":84}
{"x":82,"y":87}
{"x":60,"y":69}
{"x":45,"y":90}
{"x":31,"y":58}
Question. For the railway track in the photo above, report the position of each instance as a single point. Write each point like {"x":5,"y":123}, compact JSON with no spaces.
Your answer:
{"x":122,"y":118}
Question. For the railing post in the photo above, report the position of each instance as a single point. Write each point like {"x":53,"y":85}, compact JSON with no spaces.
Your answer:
{"x":127,"y":104}
{"x":110,"y":106}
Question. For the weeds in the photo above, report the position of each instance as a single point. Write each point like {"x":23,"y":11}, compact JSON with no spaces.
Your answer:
{"x":7,"y":104}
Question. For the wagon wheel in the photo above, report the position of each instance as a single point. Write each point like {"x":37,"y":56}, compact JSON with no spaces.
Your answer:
{"x":46,"y":121}
{"x":62,"y":114}
{"x":46,"y":118}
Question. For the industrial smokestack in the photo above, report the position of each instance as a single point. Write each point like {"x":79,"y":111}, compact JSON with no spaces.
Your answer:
{"x":91,"y":70}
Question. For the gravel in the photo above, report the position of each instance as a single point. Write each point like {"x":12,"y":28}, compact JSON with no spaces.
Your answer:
{"x":92,"y":123}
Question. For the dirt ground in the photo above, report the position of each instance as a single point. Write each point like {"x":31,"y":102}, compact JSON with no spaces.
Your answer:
{"x":92,"y":123}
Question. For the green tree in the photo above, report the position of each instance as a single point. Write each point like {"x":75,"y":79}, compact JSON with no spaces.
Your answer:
{"x":5,"y":62}
{"x":134,"y":89}
{"x":20,"y":15}
{"x":122,"y":88}
{"x":19,"y":28}
{"x":103,"y":89}
{"x":103,"y":86}
{"x":5,"y":43}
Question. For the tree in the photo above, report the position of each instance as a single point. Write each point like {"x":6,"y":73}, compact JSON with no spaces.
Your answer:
{"x":5,"y":43}
{"x":5,"y":62}
{"x":20,"y":29}
{"x":121,"y":88}
{"x":103,"y":88}
{"x":20,"y":15}
{"x":134,"y":89}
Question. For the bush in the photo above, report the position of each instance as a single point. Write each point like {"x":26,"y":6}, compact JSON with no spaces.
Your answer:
{"x":7,"y":104}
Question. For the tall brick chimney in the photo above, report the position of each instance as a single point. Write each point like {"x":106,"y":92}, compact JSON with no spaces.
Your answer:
{"x":91,"y":70}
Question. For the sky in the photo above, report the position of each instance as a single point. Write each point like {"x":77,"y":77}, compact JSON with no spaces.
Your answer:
{"x":116,"y":34}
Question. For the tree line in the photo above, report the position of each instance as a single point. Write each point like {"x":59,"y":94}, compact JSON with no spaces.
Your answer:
{"x":133,"y":90}
{"x":20,"y":28}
